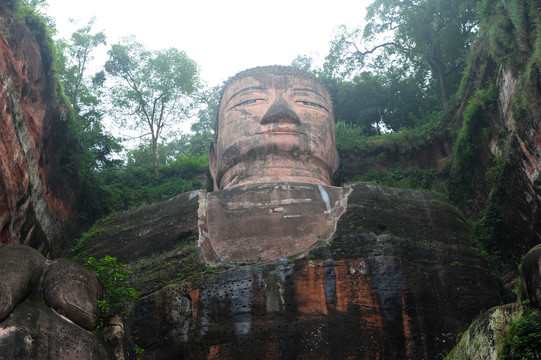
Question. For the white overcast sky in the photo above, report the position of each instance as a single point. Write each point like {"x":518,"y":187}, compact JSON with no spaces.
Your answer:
{"x":222,"y":36}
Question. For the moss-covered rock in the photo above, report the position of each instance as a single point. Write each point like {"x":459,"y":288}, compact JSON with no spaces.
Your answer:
{"x":485,"y":338}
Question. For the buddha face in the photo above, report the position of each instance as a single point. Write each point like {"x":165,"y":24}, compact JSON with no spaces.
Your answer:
{"x":274,"y":128}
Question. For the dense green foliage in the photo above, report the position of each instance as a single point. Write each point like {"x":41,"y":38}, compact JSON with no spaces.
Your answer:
{"x":404,"y":66}
{"x":512,"y":31}
{"x":468,"y":144}
{"x":133,"y":186}
{"x":509,"y":35}
{"x":523,"y":340}
{"x":409,"y":178}
{"x":117,"y":291}
{"x":378,"y":101}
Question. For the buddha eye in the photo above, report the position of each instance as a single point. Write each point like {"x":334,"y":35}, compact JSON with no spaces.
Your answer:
{"x":247,"y":102}
{"x":309,"y":103}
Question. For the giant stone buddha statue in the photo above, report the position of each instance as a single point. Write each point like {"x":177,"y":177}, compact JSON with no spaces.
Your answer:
{"x":276,"y":138}
{"x":275,"y":124}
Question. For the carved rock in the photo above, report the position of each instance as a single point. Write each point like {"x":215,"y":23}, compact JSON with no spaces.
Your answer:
{"x":35,"y":332}
{"x":20,"y":269}
{"x":116,"y":339}
{"x":72,"y":291}
{"x":29,"y":329}
{"x":162,"y":317}
{"x":531,"y":276}
{"x":264,"y":222}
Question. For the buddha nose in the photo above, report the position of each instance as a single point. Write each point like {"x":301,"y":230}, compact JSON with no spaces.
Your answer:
{"x":280,"y":112}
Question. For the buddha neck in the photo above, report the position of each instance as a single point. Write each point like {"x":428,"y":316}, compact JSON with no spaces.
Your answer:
{"x":276,"y":170}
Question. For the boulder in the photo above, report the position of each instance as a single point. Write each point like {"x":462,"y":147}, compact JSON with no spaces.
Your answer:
{"x":484,"y":339}
{"x":20,"y":269}
{"x":531,"y":276}
{"x":47,"y":308}
{"x":72,"y":291}
{"x":33,"y":331}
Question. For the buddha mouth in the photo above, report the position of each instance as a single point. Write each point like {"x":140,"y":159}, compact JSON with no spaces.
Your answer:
{"x":281,"y":131}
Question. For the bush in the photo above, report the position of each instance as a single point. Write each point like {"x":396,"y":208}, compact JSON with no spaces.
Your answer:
{"x":117,"y":292}
{"x":523,"y":339}
{"x":347,"y":135}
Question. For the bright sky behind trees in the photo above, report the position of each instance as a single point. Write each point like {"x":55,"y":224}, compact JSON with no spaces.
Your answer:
{"x":223,"y":37}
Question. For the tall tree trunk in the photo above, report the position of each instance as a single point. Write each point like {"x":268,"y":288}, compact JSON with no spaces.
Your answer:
{"x":154,"y":154}
{"x":443,"y":88}
{"x":437,"y":66}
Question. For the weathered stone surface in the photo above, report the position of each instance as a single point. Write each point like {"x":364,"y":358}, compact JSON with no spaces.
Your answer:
{"x":399,"y":278}
{"x":145,"y":231}
{"x":275,"y":123}
{"x":20,"y":269}
{"x":72,"y":291}
{"x":29,"y":329}
{"x":117,"y":339}
{"x":35,"y":194}
{"x":531,"y":276}
{"x":35,"y":332}
{"x":163,"y":317}
{"x":365,"y":308}
{"x":485,"y":337}
{"x":263,"y":222}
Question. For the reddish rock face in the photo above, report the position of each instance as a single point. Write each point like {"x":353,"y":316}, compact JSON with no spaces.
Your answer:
{"x":274,"y":128}
{"x":34,"y":196}
{"x":376,"y":307}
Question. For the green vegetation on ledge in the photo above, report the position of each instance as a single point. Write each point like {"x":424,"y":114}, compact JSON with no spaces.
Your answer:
{"x":117,"y":291}
{"x":523,"y":340}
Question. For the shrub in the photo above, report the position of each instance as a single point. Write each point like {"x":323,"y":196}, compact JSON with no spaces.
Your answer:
{"x":117,"y":292}
{"x":523,"y":339}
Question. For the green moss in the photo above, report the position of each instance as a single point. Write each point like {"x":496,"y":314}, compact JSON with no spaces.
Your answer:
{"x":95,"y":230}
{"x":485,"y":337}
{"x":28,"y":15}
{"x":408,"y":178}
{"x":467,"y":147}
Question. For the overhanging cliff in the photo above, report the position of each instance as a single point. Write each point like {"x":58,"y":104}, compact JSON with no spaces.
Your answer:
{"x":36,"y":188}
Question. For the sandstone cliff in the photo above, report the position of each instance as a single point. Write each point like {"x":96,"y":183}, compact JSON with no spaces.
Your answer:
{"x":485,"y":155}
{"x":36,"y":195}
{"x":400,"y":276}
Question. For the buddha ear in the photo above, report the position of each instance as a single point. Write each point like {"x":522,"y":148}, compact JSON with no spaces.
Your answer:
{"x":212,"y":163}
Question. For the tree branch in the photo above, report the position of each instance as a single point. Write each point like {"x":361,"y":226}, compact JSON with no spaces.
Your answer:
{"x":136,"y":137}
{"x":391,"y":43}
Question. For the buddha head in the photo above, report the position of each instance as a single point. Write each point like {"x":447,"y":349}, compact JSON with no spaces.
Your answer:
{"x":275,"y":124}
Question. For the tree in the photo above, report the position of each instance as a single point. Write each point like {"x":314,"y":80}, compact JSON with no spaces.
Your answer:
{"x":84,"y":92}
{"x":303,"y":62}
{"x":75,"y":55}
{"x":371,"y":100}
{"x":428,"y":39}
{"x":152,"y":88}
